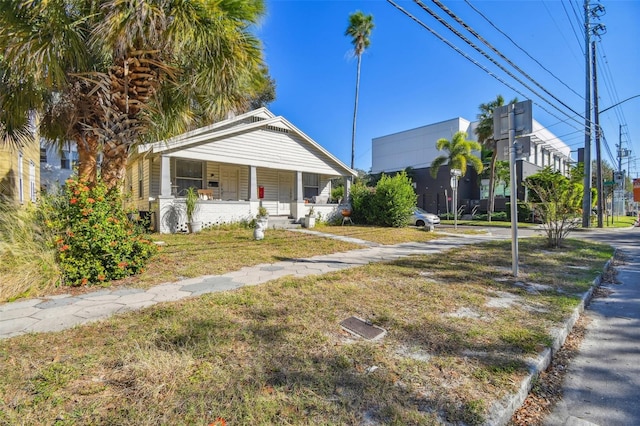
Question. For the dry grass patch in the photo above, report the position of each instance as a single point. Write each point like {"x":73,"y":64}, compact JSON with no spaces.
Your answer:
{"x":383,"y":235}
{"x":275,"y":354}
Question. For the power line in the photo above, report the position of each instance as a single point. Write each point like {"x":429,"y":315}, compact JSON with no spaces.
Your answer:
{"x":575,"y":32}
{"x":577,"y":16}
{"x":487,"y":56}
{"x":469,"y":58}
{"x":521,"y":49}
{"x":496,"y":51}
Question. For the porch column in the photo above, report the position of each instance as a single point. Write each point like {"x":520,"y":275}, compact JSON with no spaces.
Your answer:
{"x":253,"y":183}
{"x":165,"y":176}
{"x":297,"y":187}
{"x":347,"y":189}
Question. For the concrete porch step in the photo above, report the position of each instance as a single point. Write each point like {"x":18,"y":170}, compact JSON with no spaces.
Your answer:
{"x":282,"y":222}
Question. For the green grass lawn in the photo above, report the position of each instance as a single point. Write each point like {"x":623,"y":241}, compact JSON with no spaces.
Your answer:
{"x":460,"y":330}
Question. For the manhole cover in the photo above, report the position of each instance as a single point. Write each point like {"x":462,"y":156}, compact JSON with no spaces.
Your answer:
{"x":363,"y":328}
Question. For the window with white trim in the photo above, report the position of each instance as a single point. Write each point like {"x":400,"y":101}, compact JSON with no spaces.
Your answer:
{"x":20,"y":178}
{"x":189,"y":174}
{"x":310,"y":185}
{"x":68,"y":159}
{"x":32,"y":181}
{"x":140,"y":179}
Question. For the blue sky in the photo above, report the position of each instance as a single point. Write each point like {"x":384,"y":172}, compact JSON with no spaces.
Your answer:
{"x":410,"y":78}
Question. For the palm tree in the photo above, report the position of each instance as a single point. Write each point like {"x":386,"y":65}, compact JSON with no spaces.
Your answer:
{"x":180,"y":64}
{"x":359,"y":29}
{"x":459,"y":154}
{"x":116,"y":72}
{"x":44,"y":48}
{"x":484,"y":133}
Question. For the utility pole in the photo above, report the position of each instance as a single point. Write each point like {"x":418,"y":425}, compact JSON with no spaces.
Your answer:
{"x":586,"y":195}
{"x":597,"y":129}
{"x":596,"y":11}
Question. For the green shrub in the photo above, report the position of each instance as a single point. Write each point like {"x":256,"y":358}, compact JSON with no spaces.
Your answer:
{"x":390,"y":203}
{"x":337,"y":193}
{"x":394,"y":200}
{"x":95,"y":241}
{"x":362,"y":203}
{"x":524,"y":212}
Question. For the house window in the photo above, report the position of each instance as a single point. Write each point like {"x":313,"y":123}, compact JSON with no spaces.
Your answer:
{"x":189,"y":174}
{"x":20,"y":178}
{"x":140,"y":179}
{"x":43,"y":155}
{"x":32,"y":181}
{"x":310,"y":185}
{"x":68,"y":160}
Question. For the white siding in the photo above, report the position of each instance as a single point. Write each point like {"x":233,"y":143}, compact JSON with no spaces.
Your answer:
{"x":268,"y":178}
{"x":263,"y":148}
{"x":416,"y":147}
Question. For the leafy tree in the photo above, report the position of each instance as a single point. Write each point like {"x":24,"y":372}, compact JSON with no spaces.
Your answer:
{"x":359,"y":29}
{"x":110,"y":74}
{"x":557,"y":201}
{"x":502,"y":174}
{"x":484,"y":133}
{"x":459,"y":154}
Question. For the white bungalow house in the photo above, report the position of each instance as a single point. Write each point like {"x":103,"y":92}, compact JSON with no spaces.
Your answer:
{"x":237,"y":165}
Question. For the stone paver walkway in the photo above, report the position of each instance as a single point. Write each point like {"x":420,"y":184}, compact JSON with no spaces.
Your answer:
{"x":65,"y":311}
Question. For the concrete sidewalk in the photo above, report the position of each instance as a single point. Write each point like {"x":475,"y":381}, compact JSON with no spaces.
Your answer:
{"x":65,"y":311}
{"x":603,"y":381}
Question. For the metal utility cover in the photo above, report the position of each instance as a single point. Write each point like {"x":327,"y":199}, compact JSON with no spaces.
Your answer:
{"x":363,"y":328}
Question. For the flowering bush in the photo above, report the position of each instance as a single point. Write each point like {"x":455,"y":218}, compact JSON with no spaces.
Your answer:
{"x":95,"y":242}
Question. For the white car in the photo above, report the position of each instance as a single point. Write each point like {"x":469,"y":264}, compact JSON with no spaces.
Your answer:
{"x":422,"y":218}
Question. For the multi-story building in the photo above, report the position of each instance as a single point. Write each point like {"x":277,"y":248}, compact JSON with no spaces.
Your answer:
{"x":56,"y":163}
{"x":415,"y":149}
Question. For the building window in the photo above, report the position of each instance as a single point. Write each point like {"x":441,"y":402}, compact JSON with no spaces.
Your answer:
{"x":43,"y":155}
{"x":189,"y":174}
{"x":68,"y":160}
{"x":310,"y":185}
{"x":32,"y":181}
{"x":140,"y":179}
{"x":20,"y":178}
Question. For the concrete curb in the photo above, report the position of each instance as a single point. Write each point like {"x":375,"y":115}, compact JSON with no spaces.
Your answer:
{"x":500,"y":414}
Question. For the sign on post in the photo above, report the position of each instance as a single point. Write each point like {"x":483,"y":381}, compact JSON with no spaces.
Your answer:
{"x":523,"y":117}
{"x":636,"y":190}
{"x":509,"y":122}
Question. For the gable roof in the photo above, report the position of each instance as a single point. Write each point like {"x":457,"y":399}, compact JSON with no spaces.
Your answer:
{"x":251,"y":122}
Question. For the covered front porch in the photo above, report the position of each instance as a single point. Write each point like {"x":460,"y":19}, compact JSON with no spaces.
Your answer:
{"x":231,"y":193}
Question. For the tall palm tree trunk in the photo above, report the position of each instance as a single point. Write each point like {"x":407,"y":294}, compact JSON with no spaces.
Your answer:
{"x":114,"y":164}
{"x":355,"y":114}
{"x":87,"y":158}
{"x":133,"y":81}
